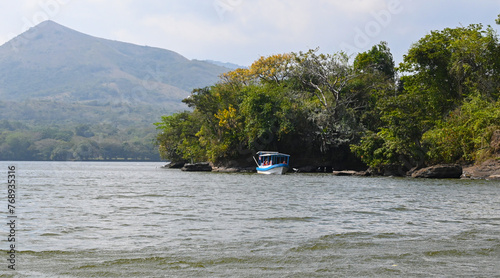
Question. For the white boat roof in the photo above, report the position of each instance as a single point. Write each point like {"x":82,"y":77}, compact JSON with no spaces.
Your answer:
{"x":269,"y":153}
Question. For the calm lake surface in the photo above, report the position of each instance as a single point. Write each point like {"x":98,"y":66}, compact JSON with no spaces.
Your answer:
{"x":98,"y":219}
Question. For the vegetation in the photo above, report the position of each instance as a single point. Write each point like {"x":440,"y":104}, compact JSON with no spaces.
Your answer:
{"x":82,"y":142}
{"x":308,"y":104}
{"x":439,"y":106}
{"x":447,"y":78}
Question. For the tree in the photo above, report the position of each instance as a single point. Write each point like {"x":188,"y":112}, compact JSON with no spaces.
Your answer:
{"x":216,"y":111}
{"x":377,"y":61}
{"x":44,"y":148}
{"x":272,"y":69}
{"x":465,"y":135}
{"x":327,"y":78}
{"x":111,"y":148}
{"x":447,"y":67}
{"x":85,"y":149}
{"x":268,"y":116}
{"x":281,"y":102}
{"x":376,"y":82}
{"x":62,"y":152}
{"x":19,"y":146}
{"x":441,"y":71}
{"x":56,"y":133}
{"x":451,"y":64}
{"x":83,"y":130}
{"x":324,"y":75}
{"x":177,"y":139}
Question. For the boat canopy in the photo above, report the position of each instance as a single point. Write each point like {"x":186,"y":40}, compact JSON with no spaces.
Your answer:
{"x":273,"y":157}
{"x":267,"y":153}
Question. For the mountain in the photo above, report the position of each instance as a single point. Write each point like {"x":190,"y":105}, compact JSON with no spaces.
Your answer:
{"x":226,"y":65}
{"x":65,"y":95}
{"x":87,"y":78}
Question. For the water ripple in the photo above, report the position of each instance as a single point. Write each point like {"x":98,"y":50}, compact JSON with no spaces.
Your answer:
{"x":105,"y":219}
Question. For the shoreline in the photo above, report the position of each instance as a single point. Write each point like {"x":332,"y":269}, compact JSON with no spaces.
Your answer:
{"x":487,"y":170}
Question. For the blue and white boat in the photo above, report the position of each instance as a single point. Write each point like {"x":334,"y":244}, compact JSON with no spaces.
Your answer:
{"x":272,"y":163}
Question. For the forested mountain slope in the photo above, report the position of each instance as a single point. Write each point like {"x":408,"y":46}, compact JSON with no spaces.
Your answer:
{"x":55,"y":77}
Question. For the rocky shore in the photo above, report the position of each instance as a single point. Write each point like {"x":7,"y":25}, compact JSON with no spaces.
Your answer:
{"x":489,"y":170}
{"x":197,"y":167}
{"x":233,"y":169}
{"x":443,"y":171}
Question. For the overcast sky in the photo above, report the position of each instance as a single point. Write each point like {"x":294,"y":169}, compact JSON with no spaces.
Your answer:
{"x":240,"y":31}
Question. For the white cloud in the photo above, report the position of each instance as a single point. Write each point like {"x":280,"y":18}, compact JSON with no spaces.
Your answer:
{"x":357,"y":7}
{"x":192,"y":30}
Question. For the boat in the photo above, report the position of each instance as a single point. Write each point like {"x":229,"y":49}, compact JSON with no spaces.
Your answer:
{"x":272,"y":163}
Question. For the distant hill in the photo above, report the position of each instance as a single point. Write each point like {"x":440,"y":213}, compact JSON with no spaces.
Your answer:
{"x":226,"y":65}
{"x":53,"y":63}
{"x":65,"y":95}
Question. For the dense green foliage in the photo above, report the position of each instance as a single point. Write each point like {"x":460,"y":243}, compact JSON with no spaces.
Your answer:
{"x":81,"y":142}
{"x":465,"y":134}
{"x":445,"y":102}
{"x":439,"y":106}
{"x":307,"y":104}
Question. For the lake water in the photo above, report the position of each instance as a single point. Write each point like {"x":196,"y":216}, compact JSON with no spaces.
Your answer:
{"x":97,"y":219}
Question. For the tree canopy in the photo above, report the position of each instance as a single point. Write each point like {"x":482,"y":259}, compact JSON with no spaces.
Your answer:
{"x":79,"y":142}
{"x":308,"y":104}
{"x":439,"y":105}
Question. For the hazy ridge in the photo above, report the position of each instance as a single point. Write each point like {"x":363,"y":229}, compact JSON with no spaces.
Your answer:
{"x":55,"y":78}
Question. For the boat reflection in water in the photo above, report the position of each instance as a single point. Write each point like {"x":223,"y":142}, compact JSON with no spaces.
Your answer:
{"x":272,"y":163}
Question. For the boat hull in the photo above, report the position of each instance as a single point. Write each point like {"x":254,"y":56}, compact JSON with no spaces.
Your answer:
{"x":273,"y":170}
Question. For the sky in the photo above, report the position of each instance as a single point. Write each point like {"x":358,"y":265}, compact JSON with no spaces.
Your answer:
{"x":241,"y":31}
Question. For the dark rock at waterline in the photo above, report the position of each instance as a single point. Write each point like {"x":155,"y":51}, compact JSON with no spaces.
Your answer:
{"x":443,"y":171}
{"x":197,"y":167}
{"x":489,"y":169}
{"x":234,"y":169}
{"x":393,"y":171}
{"x":174,"y":165}
{"x":387,"y":171}
{"x":313,"y":169}
{"x":351,"y":173}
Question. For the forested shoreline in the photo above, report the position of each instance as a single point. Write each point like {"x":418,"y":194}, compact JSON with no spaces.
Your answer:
{"x":83,"y":142}
{"x":440,"y":105}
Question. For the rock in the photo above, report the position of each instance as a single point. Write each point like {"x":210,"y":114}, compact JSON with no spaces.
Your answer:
{"x":393,"y":171}
{"x":490,"y":169}
{"x":233,"y":169}
{"x":225,"y":170}
{"x":174,"y":165}
{"x":197,"y":167}
{"x":443,"y":171}
{"x":313,"y":169}
{"x":344,"y":173}
{"x":387,"y":171}
{"x":412,"y":170}
{"x":243,"y":165}
{"x":350,"y":173}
